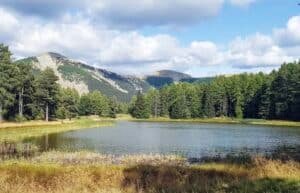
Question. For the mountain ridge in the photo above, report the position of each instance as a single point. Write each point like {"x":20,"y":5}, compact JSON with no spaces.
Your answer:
{"x":86,"y":78}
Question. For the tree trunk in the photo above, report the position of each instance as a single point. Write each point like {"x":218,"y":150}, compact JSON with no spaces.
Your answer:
{"x":21,"y":102}
{"x":155,"y":108}
{"x":1,"y":109}
{"x":47,"y":112}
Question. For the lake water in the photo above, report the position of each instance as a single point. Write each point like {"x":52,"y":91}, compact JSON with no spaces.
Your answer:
{"x":186,"y":139}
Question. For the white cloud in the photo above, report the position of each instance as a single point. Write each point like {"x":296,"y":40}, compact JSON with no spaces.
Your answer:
{"x":289,"y":36}
{"x":133,"y":47}
{"x":133,"y":53}
{"x":256,"y":51}
{"x":8,"y":23}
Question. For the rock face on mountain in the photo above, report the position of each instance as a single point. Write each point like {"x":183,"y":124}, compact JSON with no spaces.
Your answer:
{"x":85,"y":78}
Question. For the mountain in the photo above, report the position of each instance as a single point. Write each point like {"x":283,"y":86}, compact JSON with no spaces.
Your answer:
{"x":166,"y":77}
{"x":85,"y":78}
{"x":174,"y":75}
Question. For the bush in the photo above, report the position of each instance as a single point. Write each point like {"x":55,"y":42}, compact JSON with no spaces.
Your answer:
{"x":19,"y":118}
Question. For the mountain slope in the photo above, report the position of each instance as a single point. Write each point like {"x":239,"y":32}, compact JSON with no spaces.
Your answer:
{"x":166,"y":77}
{"x":84,"y":78}
{"x":174,"y":75}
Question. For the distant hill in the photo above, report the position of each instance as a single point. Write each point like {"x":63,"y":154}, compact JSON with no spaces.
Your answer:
{"x":174,"y":75}
{"x":166,"y":77}
{"x":85,"y":78}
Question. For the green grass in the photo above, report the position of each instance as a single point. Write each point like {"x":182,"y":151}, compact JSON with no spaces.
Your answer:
{"x":20,"y":131}
{"x":226,"y":120}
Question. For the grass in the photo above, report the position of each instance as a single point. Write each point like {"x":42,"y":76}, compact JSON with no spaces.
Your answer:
{"x":261,"y":176}
{"x":20,"y":131}
{"x":226,"y":120}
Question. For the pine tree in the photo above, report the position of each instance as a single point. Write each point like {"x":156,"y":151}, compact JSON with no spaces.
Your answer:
{"x":179,"y":109}
{"x":113,"y":107}
{"x":153,"y":99}
{"x":47,"y":90}
{"x":85,"y":105}
{"x":68,"y":103}
{"x":140,"y":108}
{"x":8,"y":74}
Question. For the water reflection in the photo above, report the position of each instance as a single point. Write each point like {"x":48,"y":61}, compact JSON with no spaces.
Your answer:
{"x":189,"y":140}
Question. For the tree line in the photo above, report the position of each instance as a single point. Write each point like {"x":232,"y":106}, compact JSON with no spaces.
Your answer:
{"x":26,"y":93}
{"x":264,"y":96}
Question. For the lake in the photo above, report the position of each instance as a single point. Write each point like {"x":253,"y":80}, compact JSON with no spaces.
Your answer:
{"x":186,"y":139}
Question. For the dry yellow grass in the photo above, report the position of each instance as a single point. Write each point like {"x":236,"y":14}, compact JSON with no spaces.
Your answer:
{"x":226,"y":120}
{"x":41,"y":177}
{"x":32,"y":123}
{"x":19,"y":131}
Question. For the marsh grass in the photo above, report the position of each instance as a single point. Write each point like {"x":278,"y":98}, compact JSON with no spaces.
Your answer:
{"x":9,"y":150}
{"x":143,"y":175}
{"x":225,"y":120}
{"x":26,"y":130}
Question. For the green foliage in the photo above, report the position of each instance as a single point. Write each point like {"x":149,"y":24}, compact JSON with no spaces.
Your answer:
{"x":273,"y":96}
{"x":47,"y":90}
{"x":8,"y":81}
{"x":94,"y":103}
{"x":28,"y":94}
{"x":140,"y":108}
{"x":113,"y":108}
{"x":158,"y":82}
{"x":68,"y":103}
{"x":266,"y":185}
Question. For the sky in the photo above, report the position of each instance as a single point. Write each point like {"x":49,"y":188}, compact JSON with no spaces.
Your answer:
{"x":137,"y":37}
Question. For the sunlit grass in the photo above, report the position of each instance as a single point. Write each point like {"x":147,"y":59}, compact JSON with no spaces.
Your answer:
{"x":261,"y":176}
{"x":226,"y":120}
{"x":21,"y":131}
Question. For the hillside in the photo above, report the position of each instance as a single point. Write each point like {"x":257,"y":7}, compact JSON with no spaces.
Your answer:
{"x":166,"y":77}
{"x":174,"y":75}
{"x":84,"y":78}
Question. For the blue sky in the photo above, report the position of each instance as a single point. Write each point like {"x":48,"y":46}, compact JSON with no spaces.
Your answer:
{"x":262,"y":16}
{"x":203,"y":38}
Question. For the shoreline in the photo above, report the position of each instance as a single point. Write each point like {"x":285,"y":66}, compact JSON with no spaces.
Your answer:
{"x":126,"y":117}
{"x":262,"y":122}
{"x":18,"y":131}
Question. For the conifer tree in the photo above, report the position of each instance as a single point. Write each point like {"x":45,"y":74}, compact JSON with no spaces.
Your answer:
{"x":47,"y":90}
{"x":8,"y":74}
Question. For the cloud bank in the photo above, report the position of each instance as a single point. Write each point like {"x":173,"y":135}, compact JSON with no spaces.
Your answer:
{"x":131,"y":52}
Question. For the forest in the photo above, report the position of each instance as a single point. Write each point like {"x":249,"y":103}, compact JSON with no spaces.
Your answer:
{"x":26,"y":95}
{"x":262,"y":96}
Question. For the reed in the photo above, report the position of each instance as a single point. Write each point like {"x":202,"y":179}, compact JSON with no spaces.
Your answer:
{"x":261,"y":176}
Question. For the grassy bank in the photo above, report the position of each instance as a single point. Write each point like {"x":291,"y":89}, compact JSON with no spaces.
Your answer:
{"x":226,"y":120}
{"x":19,"y":131}
{"x":54,"y":176}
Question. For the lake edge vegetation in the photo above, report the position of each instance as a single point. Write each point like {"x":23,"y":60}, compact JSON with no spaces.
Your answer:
{"x":17,"y":133}
{"x":261,"y":175}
